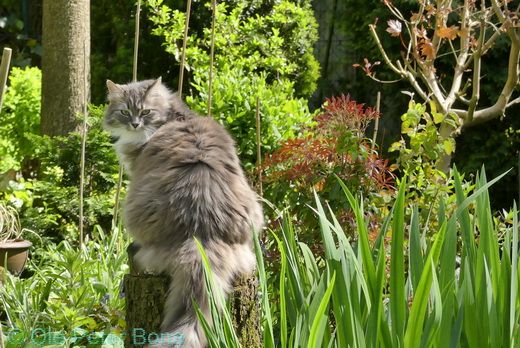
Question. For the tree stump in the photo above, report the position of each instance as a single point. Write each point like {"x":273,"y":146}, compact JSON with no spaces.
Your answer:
{"x":145,"y":295}
{"x":245,"y":311}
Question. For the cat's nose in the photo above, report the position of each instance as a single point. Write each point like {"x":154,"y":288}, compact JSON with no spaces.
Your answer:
{"x":135,"y":125}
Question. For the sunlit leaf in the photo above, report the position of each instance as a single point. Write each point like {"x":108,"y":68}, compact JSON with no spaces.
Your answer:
{"x":394,"y":27}
{"x":426,"y":49}
{"x":449,"y":147}
{"x":448,"y":33}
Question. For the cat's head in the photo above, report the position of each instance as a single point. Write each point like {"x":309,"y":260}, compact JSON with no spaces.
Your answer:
{"x":137,"y":110}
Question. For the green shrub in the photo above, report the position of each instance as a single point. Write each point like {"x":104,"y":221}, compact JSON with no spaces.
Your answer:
{"x":20,"y":116}
{"x":281,"y":114}
{"x":278,"y":40}
{"x":267,"y":56}
{"x":49,"y":205}
{"x":420,"y":152}
{"x":336,"y":147}
{"x":73,"y":296}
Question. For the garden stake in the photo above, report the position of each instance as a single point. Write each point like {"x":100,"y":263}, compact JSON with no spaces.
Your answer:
{"x":83,"y":144}
{"x":134,"y":79}
{"x":136,"y":40}
{"x":376,"y":124}
{"x":258,"y":148}
{"x":183,"y":57}
{"x":212,"y":54}
{"x":4,"y":69}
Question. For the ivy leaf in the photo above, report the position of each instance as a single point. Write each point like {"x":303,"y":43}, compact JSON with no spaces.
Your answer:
{"x":448,"y":33}
{"x":394,"y":27}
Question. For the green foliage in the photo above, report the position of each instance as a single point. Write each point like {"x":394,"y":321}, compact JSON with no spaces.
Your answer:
{"x":20,"y":116}
{"x":266,"y":57}
{"x":49,"y":205}
{"x":112,"y":47}
{"x":278,"y":42}
{"x":419,"y":154}
{"x":73,"y":297}
{"x":426,"y":143}
{"x":21,"y":28}
{"x":281,"y":114}
{"x":436,"y":289}
{"x":336,"y":147}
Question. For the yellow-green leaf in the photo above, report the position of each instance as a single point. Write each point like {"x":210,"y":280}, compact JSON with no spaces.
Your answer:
{"x":449,"y":147}
{"x":437,"y":117}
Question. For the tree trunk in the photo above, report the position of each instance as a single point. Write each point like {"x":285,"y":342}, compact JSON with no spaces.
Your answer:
{"x":65,"y":64}
{"x":145,"y":295}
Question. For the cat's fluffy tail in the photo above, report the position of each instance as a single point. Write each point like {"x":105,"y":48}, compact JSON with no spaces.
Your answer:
{"x":180,"y":322}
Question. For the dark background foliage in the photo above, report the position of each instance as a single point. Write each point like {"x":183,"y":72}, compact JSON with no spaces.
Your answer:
{"x":343,"y":25}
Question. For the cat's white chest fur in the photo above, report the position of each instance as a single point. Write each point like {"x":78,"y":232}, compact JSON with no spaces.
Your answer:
{"x":128,"y":143}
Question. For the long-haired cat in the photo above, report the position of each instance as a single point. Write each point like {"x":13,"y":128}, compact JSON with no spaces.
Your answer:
{"x":185,"y":181}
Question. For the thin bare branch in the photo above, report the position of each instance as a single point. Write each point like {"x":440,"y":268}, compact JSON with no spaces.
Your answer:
{"x":415,"y":84}
{"x":383,"y":52}
{"x":513,"y":102}
{"x":498,"y":11}
{"x":477,"y":60}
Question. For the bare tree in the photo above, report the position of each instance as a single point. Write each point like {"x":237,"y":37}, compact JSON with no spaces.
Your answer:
{"x":465,"y":31}
{"x":65,"y":64}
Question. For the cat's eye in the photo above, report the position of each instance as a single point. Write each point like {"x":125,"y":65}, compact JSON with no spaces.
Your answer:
{"x":145,"y":112}
{"x":125,"y":112}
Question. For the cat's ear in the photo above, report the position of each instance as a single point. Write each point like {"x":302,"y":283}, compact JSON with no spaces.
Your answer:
{"x":154,"y":87}
{"x":114,"y":91}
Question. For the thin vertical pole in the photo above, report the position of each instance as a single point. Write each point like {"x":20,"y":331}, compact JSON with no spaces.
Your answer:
{"x":183,"y":56}
{"x":83,"y":148}
{"x":212,"y":54}
{"x":136,"y":40}
{"x":258,"y":143}
{"x":376,"y":126}
{"x":4,"y":72}
{"x":134,"y":79}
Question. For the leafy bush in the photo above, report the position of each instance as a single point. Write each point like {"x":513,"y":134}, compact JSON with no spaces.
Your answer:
{"x":73,"y":297}
{"x":20,"y":116}
{"x":254,"y":58}
{"x":278,"y":41}
{"x":49,"y":205}
{"x":336,"y":147}
{"x":281,"y":114}
{"x":420,"y":152}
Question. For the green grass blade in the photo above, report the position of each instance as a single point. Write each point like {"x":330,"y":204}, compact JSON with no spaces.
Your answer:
{"x":267,"y":322}
{"x":283,"y":303}
{"x":416,"y":254}
{"x":398,"y":305}
{"x":366,"y":255}
{"x":414,"y":329}
{"x":321,"y":318}
{"x":221,"y":332}
{"x":513,"y":313}
{"x":435,"y":317}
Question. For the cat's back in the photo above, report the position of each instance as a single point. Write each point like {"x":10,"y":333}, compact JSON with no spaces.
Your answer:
{"x":189,"y":180}
{"x":195,"y":140}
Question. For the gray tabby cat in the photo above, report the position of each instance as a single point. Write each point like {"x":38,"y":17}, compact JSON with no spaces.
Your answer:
{"x":185,"y":181}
